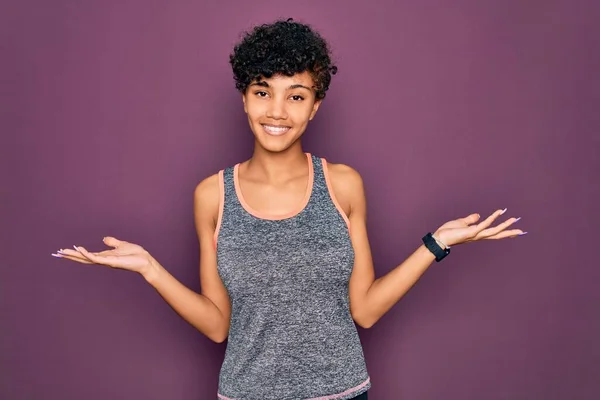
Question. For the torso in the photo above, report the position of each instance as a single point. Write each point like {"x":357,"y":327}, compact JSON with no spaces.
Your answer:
{"x":285,"y":257}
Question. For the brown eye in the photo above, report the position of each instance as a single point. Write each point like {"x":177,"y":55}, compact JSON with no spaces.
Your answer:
{"x":297,"y":98}
{"x":261,"y":94}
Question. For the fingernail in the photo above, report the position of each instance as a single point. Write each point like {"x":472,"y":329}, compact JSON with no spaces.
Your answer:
{"x":517,"y":219}
{"x":503,"y":211}
{"x":75,"y":247}
{"x":524,"y":233}
{"x":60,"y":251}
{"x":56,"y":255}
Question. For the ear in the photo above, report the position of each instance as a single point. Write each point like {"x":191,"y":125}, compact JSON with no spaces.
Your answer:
{"x":315,"y":108}
{"x":244,"y":101}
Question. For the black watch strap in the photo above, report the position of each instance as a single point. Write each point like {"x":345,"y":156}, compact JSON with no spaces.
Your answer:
{"x":434,"y":248}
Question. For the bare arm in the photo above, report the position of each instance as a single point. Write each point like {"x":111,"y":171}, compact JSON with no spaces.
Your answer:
{"x":208,"y":312}
{"x":195,"y":308}
{"x":371,"y":298}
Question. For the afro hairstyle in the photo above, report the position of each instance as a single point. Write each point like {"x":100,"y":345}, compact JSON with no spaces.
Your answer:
{"x":284,"y":47}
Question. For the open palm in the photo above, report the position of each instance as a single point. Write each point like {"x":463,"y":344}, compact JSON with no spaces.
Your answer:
{"x":123,"y":255}
{"x":467,"y":229}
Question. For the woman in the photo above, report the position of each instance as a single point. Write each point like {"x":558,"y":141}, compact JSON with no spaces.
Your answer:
{"x":286,"y":268}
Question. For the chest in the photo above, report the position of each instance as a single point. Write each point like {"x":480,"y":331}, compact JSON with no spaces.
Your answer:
{"x":299,"y":255}
{"x":271,"y":199}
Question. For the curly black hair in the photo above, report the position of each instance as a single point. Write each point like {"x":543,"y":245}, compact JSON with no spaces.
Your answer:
{"x":283,"y":47}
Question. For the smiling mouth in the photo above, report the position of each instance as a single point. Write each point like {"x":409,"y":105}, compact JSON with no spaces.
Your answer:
{"x":275,"y":130}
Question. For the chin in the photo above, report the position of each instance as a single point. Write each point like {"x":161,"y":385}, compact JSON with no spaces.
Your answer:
{"x":276,"y":146}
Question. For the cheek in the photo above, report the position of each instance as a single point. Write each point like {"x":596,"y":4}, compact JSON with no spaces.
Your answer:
{"x":300,"y":114}
{"x":254,"y":111}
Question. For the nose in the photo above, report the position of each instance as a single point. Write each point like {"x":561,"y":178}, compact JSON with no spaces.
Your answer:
{"x":276,"y":109}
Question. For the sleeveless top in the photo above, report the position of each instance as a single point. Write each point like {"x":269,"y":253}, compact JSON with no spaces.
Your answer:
{"x":291,"y":334}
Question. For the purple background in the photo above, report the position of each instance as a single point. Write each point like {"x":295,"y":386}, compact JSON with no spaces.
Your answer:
{"x":112,"y":112}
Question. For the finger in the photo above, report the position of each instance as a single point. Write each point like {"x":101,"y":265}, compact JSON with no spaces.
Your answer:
{"x":90,"y":256}
{"x":486,"y":223}
{"x":497,"y":229}
{"x":513,"y":233}
{"x":76,"y":253}
{"x":71,"y":253}
{"x":96,"y":259}
{"x":72,"y":258}
{"x":471,"y":219}
{"x":112,"y":242}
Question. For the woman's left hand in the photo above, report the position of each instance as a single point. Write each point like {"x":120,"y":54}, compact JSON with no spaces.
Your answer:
{"x":467,"y":229}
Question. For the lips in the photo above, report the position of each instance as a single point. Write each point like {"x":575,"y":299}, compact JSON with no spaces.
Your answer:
{"x":275,"y":130}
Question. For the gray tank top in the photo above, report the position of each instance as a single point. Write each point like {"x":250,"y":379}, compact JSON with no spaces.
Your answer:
{"x":291,"y":334}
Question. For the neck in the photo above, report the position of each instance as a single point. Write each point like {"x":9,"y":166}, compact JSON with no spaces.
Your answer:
{"x":278,"y":166}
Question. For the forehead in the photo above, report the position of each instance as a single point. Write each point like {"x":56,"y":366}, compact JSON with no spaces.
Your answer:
{"x":284,"y":81}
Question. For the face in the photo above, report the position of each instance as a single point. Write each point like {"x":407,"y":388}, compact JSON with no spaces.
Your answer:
{"x":279,"y":109}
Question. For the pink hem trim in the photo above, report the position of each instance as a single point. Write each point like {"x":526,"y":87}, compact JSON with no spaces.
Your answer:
{"x":221,"y":206}
{"x":262,"y":215}
{"x":338,"y":395}
{"x":332,"y":194}
{"x":329,"y":397}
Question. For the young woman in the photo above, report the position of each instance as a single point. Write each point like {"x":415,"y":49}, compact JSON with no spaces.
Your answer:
{"x":285,"y":265}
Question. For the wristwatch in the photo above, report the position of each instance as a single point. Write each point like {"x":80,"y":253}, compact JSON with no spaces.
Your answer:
{"x":434,"y":248}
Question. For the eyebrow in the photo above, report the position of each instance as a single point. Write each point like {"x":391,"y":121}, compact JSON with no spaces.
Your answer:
{"x":294,"y":86}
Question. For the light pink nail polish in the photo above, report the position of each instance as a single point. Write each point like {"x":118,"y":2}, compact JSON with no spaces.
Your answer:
{"x":503,"y":211}
{"x":56,"y":255}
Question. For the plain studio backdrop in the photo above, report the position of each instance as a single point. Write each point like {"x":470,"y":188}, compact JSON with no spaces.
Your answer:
{"x":113,"y":111}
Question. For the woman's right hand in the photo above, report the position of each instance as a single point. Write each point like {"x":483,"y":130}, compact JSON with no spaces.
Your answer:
{"x":124,"y":255}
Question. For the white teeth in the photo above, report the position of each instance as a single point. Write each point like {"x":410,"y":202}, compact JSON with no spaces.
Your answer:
{"x":276,"y":129}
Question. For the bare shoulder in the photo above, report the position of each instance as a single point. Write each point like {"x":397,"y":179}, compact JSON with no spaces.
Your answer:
{"x":347,"y":185}
{"x":344,"y":175}
{"x":207,"y":197}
